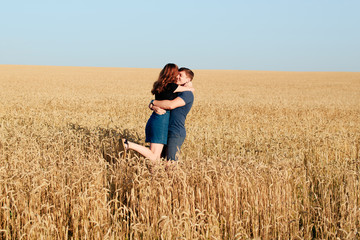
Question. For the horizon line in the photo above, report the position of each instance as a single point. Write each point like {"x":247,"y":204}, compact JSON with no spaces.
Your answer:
{"x":200,"y":69}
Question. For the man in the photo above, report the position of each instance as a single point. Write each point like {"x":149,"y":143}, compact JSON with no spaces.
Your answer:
{"x":179,"y":107}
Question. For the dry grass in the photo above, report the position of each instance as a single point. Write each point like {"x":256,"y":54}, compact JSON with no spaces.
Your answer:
{"x":268,"y":155}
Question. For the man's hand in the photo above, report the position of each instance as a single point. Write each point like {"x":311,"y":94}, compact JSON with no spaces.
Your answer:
{"x":158,"y":110}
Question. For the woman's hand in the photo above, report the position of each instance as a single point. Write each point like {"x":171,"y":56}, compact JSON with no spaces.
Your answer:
{"x":158,"y":110}
{"x":189,"y":84}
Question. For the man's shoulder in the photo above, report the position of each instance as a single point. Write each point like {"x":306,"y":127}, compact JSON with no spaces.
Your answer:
{"x":186,"y":96}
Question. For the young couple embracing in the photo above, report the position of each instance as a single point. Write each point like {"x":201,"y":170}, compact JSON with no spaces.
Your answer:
{"x":165,"y":129}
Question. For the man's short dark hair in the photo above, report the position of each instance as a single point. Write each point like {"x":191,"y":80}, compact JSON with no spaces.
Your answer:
{"x":188,"y":72}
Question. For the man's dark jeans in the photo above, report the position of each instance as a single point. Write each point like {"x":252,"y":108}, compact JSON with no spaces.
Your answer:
{"x":173,"y":146}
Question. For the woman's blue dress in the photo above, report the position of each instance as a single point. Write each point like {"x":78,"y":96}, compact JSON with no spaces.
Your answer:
{"x":156,"y":129}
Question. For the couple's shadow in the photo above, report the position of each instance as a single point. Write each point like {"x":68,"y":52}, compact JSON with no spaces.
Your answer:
{"x":120,"y":173}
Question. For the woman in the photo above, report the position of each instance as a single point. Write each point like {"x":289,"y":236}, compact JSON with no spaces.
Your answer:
{"x":165,"y":88}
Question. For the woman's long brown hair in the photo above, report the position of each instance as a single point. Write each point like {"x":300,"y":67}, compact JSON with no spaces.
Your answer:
{"x":167,"y":75}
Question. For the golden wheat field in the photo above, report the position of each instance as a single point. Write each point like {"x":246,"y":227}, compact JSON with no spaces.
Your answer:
{"x":268,"y":155}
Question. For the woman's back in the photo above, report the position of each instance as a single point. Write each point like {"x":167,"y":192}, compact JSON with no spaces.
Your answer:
{"x":168,"y":93}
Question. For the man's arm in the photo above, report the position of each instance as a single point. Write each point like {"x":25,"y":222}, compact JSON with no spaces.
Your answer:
{"x":170,"y":104}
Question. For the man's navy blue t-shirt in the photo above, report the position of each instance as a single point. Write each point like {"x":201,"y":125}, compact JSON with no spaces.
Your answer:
{"x":178,"y":115}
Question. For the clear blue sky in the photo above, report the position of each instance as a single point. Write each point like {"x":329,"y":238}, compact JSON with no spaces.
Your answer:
{"x":306,"y":35}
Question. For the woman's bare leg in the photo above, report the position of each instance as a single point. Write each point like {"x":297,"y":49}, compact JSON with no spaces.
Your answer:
{"x":153,"y":153}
